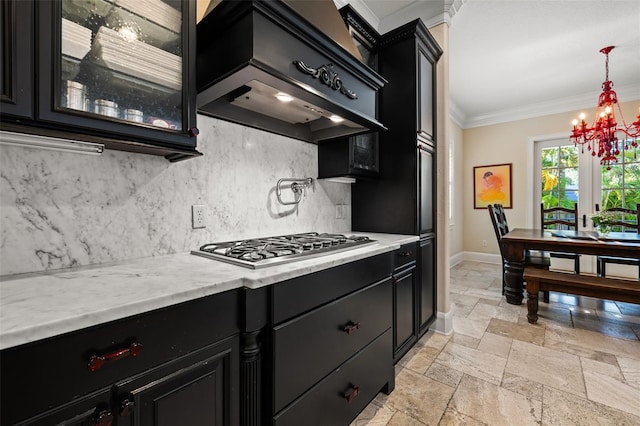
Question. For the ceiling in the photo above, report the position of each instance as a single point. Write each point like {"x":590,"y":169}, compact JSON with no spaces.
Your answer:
{"x":514,"y":59}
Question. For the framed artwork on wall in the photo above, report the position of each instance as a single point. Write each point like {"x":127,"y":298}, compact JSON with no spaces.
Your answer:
{"x":492,"y":185}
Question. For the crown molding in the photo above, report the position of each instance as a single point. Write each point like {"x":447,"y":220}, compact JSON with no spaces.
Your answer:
{"x":432,"y":13}
{"x":364,"y":11}
{"x":556,"y":106}
{"x":451,"y":7}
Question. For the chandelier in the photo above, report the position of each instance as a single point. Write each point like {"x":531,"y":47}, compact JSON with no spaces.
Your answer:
{"x":602,"y":137}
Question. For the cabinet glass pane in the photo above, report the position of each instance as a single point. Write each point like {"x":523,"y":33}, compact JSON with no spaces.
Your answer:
{"x":122,"y":59}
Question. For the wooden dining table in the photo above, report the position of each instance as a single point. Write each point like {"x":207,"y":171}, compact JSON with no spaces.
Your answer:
{"x":519,"y":240}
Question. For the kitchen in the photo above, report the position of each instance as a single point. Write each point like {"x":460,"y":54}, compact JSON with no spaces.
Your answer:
{"x":235,"y":182}
{"x":122,"y":206}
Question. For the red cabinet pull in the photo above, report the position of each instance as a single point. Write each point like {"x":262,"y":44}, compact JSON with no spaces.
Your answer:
{"x":97,"y":361}
{"x":127,"y":407}
{"x":352,"y":393}
{"x":102,"y":418}
{"x":351,"y":327}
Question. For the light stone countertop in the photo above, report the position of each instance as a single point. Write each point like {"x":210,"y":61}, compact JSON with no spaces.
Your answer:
{"x":38,"y":306}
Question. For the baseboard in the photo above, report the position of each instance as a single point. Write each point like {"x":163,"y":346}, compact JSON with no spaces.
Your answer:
{"x":473,"y":256}
{"x":456,"y":258}
{"x":444,"y":322}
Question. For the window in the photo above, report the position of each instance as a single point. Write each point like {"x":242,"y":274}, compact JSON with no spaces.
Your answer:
{"x":621,"y":184}
{"x":560,"y":176}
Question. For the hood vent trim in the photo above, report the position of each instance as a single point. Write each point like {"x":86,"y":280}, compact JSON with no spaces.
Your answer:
{"x":266,"y":43}
{"x":327,"y":76}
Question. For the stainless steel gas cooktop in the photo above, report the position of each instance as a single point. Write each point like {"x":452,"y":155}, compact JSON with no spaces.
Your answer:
{"x":261,"y":252}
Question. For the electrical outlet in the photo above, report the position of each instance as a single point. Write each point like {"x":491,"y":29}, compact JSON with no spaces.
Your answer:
{"x":484,"y":243}
{"x":198,"y":216}
{"x":345,"y":211}
{"x":339,"y":211}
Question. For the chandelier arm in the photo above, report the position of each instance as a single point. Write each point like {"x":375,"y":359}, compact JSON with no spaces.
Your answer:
{"x":627,"y":127}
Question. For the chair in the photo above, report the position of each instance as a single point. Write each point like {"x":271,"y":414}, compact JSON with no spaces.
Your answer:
{"x":561,"y":218}
{"x":500,"y":226}
{"x":626,"y":225}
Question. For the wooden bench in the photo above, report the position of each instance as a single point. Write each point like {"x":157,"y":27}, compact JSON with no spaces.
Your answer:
{"x":584,"y":285}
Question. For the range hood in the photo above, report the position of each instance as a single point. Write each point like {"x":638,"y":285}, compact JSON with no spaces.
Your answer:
{"x":260,"y":63}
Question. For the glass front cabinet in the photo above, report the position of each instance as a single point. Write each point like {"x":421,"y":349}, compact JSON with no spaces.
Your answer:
{"x":120,"y":72}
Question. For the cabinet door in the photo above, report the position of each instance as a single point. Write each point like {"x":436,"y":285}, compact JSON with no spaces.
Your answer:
{"x":89,"y":411}
{"x":17,"y":58}
{"x":427,"y":189}
{"x":200,"y":389}
{"x":404,"y":311}
{"x":427,"y":287}
{"x":426,"y":100}
{"x":119,"y":69}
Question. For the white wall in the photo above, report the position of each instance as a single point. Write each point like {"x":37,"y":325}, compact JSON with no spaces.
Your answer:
{"x":59,"y":209}
{"x":508,"y":143}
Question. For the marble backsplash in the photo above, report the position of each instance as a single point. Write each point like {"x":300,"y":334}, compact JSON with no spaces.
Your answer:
{"x":60,"y":210}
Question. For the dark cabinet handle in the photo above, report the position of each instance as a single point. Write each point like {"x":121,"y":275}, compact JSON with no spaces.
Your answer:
{"x":103,"y":418}
{"x":126,"y":407}
{"x":584,"y":220}
{"x":97,"y":361}
{"x":194,"y":131}
{"x":351,"y":327}
{"x":405,"y":253}
{"x":352,"y":393}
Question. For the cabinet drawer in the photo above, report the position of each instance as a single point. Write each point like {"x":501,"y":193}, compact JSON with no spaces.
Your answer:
{"x":54,"y":371}
{"x":310,"y":347}
{"x":326,"y":403}
{"x":405,"y":255}
{"x":298,"y":295}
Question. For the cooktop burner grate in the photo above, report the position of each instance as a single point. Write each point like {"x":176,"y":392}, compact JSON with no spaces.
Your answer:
{"x":260,"y":252}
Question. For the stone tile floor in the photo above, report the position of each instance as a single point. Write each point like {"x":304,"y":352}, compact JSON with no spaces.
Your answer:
{"x":580,"y":365}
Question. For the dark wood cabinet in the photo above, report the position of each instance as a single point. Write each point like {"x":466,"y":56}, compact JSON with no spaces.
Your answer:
{"x":343,"y":394}
{"x":354,"y":157}
{"x":403,"y":198}
{"x":314,"y":349}
{"x":331,"y":342}
{"x":405,"y":294}
{"x":427,"y":189}
{"x":346,"y":326}
{"x":195,"y":390}
{"x":186,"y":355}
{"x":17,"y":58}
{"x":427,"y":284}
{"x":90,"y":410}
{"x":104,"y":73}
{"x":426,"y":84}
